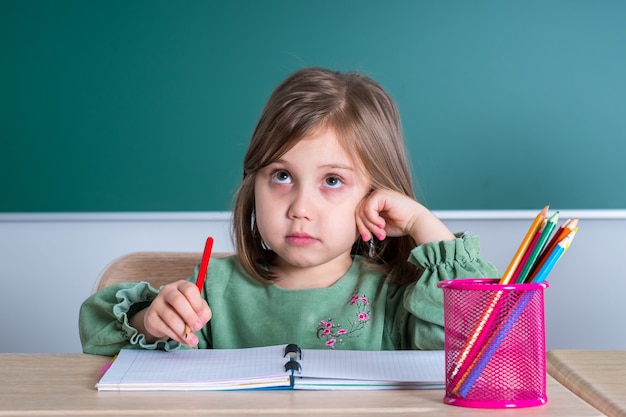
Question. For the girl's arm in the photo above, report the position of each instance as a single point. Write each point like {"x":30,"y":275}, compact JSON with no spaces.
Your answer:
{"x":419,"y":306}
{"x":107,"y":319}
{"x":441,"y":255}
{"x":390,"y":213}
{"x":103,"y":320}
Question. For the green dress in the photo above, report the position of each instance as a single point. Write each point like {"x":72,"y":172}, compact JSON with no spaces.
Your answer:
{"x":361,"y":311}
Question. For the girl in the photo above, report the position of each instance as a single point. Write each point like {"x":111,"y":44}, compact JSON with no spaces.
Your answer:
{"x":333,"y":250}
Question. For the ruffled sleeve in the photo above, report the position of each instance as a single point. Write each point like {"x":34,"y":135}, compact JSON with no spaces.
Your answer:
{"x":423,"y":301}
{"x":103,"y":320}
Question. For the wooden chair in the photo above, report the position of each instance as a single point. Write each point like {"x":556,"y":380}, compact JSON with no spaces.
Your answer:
{"x":157,"y":268}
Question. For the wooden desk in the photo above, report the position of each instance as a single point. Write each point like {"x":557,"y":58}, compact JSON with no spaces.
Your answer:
{"x":597,"y":376}
{"x":63,"y":385}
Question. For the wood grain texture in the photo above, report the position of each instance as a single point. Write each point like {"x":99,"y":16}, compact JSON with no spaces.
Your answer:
{"x":597,"y":376}
{"x":63,"y":385}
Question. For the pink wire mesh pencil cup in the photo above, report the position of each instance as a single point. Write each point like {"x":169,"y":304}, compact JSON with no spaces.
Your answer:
{"x":494,"y":343}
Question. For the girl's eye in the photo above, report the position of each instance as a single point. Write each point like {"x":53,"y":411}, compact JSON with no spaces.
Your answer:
{"x":281,"y":177}
{"x":333,"y":182}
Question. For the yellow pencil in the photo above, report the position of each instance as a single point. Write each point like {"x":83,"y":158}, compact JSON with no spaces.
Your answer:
{"x":521,"y":251}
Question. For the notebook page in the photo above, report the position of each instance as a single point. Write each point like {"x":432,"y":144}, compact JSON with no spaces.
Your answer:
{"x":144,"y":367}
{"x":397,"y":366}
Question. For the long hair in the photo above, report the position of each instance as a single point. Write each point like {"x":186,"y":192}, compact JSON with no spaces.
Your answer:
{"x":367,"y":124}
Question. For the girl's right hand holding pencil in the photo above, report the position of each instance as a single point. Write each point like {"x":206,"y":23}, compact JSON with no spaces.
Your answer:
{"x":177,"y":305}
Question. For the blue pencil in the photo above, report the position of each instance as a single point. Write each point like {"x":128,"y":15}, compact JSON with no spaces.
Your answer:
{"x":554,"y":257}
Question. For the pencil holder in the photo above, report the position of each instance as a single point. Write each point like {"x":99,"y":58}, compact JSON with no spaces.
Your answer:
{"x":494,"y":343}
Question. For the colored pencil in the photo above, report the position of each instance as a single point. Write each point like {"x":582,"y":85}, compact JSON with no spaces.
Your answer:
{"x":536,"y":251}
{"x":469,"y":352}
{"x":204,"y":266}
{"x":532,"y":246}
{"x":554,"y":257}
{"x":482,"y":358}
{"x":556,"y":237}
{"x":563,"y":231}
{"x":204,"y":263}
{"x":523,"y":247}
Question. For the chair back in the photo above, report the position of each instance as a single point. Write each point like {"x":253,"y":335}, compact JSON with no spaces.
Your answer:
{"x":157,"y":268}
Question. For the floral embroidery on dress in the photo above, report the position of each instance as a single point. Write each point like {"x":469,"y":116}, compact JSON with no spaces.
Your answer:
{"x":332,"y":332}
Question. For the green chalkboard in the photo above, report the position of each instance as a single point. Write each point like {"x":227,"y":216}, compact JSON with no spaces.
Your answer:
{"x":149,"y":105}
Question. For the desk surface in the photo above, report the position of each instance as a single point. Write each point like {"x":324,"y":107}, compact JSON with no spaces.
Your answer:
{"x":597,"y":376}
{"x":63,"y":385}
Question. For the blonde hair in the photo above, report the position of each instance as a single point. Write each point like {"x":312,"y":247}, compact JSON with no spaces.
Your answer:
{"x":366,"y":121}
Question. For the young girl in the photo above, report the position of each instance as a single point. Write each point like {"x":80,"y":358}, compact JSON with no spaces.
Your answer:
{"x":332,"y":249}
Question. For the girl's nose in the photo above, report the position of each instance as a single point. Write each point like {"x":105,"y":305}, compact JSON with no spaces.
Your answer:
{"x":301,"y":205}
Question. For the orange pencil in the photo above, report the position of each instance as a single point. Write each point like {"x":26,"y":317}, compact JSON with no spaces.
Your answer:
{"x":521,"y":251}
{"x":530,"y":249}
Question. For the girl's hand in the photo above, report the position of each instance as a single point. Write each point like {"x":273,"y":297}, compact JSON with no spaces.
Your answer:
{"x":389,"y":213}
{"x":178,"y":304}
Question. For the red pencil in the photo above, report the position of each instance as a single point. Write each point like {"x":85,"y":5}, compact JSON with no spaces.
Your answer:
{"x":204,"y":263}
{"x":204,"y":266}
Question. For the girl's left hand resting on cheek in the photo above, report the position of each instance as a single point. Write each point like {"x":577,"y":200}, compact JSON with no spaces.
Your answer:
{"x":385,"y":213}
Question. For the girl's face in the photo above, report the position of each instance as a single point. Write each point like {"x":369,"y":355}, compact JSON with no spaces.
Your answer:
{"x":305,"y":205}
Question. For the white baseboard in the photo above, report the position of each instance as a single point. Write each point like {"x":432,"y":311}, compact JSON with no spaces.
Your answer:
{"x":49,"y":261}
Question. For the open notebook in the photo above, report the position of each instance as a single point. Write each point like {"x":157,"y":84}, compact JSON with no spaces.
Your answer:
{"x":281,"y":366}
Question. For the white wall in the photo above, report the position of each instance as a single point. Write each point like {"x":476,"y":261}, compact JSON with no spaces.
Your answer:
{"x":49,"y":263}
